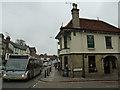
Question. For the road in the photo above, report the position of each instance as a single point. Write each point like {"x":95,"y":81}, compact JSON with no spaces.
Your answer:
{"x":22,"y":84}
{"x":91,"y":84}
{"x":37,"y":83}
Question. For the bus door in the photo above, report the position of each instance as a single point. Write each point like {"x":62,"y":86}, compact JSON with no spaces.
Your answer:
{"x":31,"y":68}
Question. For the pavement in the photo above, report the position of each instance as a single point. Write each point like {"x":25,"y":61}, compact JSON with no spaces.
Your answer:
{"x":55,"y":76}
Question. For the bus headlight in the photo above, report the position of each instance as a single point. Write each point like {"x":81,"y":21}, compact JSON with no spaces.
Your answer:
{"x":4,"y":75}
{"x":23,"y":75}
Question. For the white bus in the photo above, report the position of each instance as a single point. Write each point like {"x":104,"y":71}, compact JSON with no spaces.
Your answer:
{"x":22,"y":67}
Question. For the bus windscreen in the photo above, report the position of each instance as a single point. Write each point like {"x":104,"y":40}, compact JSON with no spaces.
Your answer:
{"x":16,"y":64}
{"x":18,"y":57}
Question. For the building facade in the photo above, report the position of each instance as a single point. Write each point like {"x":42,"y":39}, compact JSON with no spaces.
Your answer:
{"x":89,"y":47}
{"x":8,"y":47}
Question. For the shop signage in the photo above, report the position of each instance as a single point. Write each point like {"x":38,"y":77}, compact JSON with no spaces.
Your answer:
{"x":77,"y":69}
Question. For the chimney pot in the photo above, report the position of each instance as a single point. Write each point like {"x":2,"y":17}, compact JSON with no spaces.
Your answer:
{"x":74,"y":6}
{"x":75,"y":16}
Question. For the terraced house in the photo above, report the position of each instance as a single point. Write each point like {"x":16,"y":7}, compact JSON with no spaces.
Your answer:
{"x":89,"y":47}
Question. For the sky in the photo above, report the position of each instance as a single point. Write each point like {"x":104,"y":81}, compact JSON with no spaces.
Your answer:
{"x":37,"y":23}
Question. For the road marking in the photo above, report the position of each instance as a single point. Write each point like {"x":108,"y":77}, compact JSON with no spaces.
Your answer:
{"x":108,"y":86}
{"x":35,"y":85}
{"x":42,"y":82}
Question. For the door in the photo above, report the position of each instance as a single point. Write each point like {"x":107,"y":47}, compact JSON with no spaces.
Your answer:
{"x":106,"y":66}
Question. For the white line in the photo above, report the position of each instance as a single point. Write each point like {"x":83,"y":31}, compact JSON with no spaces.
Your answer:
{"x":35,"y":85}
{"x":108,"y":86}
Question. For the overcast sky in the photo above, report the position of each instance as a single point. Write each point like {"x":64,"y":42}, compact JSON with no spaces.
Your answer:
{"x":38,"y":22}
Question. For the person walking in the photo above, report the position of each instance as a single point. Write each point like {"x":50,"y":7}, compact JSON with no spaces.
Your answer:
{"x":55,"y":65}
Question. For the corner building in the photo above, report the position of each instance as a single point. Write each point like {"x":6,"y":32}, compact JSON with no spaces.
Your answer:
{"x":88,"y":47}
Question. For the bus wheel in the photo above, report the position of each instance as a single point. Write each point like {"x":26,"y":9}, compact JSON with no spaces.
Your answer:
{"x":5,"y":80}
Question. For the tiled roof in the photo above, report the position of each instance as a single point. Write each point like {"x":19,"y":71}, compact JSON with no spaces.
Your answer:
{"x":97,"y":25}
{"x":19,"y":46}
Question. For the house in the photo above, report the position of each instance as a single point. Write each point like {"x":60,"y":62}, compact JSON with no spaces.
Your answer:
{"x":20,"y":49}
{"x":89,"y":47}
{"x":2,"y":45}
{"x":8,"y":47}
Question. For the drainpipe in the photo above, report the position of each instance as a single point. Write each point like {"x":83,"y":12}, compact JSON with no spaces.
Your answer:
{"x":83,"y":71}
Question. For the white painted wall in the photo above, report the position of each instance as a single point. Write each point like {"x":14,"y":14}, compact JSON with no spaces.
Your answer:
{"x":78,"y":43}
{"x":1,"y":46}
{"x":119,"y":45}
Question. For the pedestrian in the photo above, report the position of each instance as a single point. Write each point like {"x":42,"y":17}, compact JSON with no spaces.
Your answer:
{"x":55,"y":65}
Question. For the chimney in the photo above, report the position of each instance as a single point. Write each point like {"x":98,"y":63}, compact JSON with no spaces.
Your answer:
{"x":75,"y":16}
{"x":8,"y":39}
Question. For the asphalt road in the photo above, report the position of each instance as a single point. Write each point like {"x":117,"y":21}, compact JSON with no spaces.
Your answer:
{"x":36,"y":83}
{"x":22,"y":84}
{"x":90,"y":84}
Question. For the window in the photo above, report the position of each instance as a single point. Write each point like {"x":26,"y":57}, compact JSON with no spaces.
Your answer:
{"x":60,"y":42}
{"x":92,"y":64}
{"x":90,"y":41}
{"x":66,"y":62}
{"x":108,"y":42}
{"x":65,"y":41}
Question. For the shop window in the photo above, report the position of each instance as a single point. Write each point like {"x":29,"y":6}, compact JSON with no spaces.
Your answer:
{"x":66,"y":62}
{"x":92,"y":64}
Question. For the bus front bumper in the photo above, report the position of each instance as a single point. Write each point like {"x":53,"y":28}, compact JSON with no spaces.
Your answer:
{"x":15,"y":77}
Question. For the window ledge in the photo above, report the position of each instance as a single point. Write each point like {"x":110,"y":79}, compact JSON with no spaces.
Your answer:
{"x":109,"y":48}
{"x":91,"y":48}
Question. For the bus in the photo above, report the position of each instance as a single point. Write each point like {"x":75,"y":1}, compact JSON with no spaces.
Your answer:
{"x":22,"y":67}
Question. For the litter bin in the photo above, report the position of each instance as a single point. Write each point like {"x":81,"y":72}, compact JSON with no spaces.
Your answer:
{"x":65,"y":73}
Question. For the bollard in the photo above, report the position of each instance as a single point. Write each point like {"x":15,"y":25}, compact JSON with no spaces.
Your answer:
{"x":45,"y":73}
{"x":50,"y":69}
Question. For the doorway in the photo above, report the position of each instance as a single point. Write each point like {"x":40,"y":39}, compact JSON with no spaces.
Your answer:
{"x":108,"y":61}
{"x":106,"y":66}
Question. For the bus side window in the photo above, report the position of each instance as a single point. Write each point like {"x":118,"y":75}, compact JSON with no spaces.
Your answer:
{"x":30,"y":64}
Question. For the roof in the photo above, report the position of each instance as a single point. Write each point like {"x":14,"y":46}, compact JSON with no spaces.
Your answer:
{"x":19,"y":46}
{"x":45,"y":56}
{"x":97,"y":25}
